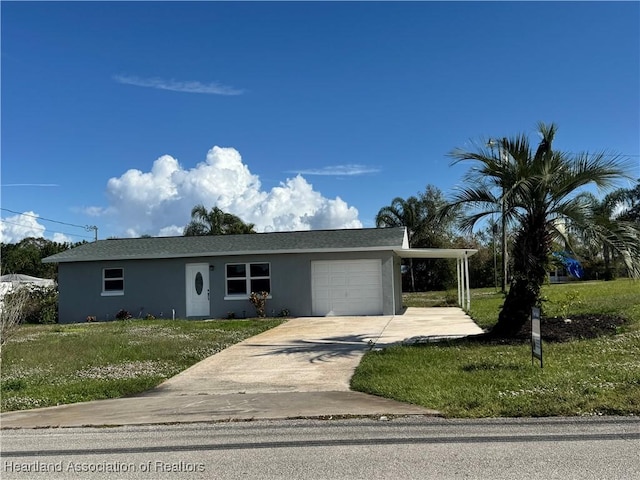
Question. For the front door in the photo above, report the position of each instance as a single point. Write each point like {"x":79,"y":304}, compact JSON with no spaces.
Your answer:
{"x":197,"y":275}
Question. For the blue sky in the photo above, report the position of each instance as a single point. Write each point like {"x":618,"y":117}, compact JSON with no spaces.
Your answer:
{"x":321,"y":112}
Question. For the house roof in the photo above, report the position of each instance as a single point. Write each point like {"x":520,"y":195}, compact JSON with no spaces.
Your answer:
{"x":22,"y":278}
{"x":364,"y":239}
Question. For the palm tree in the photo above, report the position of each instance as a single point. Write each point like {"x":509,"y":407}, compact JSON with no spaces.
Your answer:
{"x":407,"y":213}
{"x":426,"y":226}
{"x":609,"y":228}
{"x":538,"y":192}
{"x":215,"y":222}
{"x":632,"y":213}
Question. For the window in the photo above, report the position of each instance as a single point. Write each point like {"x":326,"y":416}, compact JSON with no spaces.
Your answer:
{"x":244,"y":278}
{"x":113,"y":281}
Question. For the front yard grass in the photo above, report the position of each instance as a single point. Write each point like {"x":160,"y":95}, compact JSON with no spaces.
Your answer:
{"x":45,"y":365}
{"x":598,"y":376}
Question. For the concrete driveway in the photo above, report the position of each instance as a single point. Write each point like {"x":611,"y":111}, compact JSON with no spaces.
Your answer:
{"x":314,"y":354}
{"x":301,"y":368}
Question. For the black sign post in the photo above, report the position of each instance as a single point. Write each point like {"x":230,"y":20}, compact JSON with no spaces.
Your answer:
{"x":536,"y":339}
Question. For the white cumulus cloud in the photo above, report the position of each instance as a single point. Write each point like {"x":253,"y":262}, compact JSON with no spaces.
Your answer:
{"x":17,"y":227}
{"x":62,"y":238}
{"x":159,"y":202}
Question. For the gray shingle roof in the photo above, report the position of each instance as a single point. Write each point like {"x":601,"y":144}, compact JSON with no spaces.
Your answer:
{"x":277,"y":242}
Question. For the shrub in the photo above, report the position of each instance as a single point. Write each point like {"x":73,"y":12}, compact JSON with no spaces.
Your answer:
{"x":123,"y":315}
{"x":41,"y":304}
{"x":572,"y":299}
{"x":259,"y":301}
{"x":11,"y":314}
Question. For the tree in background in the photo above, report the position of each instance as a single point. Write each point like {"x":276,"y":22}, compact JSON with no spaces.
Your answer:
{"x":215,"y":222}
{"x":632,"y":213}
{"x":608,"y":230}
{"x":407,"y":213}
{"x":426,"y":227}
{"x":26,"y":256}
{"x":538,"y":191}
{"x":484,"y":265}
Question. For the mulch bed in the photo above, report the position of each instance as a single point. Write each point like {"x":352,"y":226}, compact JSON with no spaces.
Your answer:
{"x":578,"y":327}
{"x":556,"y":330}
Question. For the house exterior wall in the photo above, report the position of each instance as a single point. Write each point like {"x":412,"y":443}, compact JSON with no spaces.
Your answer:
{"x":150,"y":286}
{"x":158,"y":287}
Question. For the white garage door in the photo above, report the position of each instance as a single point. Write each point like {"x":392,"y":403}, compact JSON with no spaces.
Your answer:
{"x":351,"y":287}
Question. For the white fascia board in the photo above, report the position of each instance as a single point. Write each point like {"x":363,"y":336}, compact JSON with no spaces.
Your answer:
{"x":435,"y":252}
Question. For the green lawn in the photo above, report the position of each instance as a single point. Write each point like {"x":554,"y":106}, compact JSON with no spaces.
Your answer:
{"x":44,"y":365}
{"x":464,"y":379}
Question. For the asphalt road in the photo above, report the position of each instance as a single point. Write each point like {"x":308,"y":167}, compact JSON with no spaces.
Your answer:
{"x":395,"y":448}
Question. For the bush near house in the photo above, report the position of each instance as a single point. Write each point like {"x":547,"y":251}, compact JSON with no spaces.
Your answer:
{"x":41,"y":304}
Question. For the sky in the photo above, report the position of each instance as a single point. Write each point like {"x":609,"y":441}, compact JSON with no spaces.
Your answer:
{"x":291,"y":115}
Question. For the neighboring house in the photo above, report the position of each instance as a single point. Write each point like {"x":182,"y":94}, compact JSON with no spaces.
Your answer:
{"x":19,"y":279}
{"x":309,"y":273}
{"x":558,"y":275}
{"x":11,"y":281}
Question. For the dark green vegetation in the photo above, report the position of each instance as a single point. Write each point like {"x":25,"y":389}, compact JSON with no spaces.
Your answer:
{"x":426,"y":227}
{"x":215,"y":222}
{"x":26,"y":257}
{"x":44,"y":365}
{"x":589,"y":376}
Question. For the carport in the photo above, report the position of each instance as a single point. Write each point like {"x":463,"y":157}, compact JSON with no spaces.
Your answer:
{"x":462,"y":266}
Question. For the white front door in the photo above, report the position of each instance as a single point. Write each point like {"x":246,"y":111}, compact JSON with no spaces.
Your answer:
{"x":197,"y":281}
{"x":346,"y":287}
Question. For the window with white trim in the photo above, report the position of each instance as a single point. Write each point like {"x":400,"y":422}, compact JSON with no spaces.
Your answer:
{"x":113,"y":281}
{"x":244,"y":278}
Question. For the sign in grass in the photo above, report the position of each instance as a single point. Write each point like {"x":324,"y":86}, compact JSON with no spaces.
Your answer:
{"x":536,"y":339}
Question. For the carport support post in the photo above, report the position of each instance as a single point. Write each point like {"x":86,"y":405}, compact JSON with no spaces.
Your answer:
{"x":466,"y":279}
{"x":458,"y":272}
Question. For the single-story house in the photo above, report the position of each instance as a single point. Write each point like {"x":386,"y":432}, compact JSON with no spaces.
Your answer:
{"x":307,"y":273}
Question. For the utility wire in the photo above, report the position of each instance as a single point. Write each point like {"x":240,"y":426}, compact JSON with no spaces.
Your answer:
{"x":85,"y":227}
{"x":27,"y":226}
{"x":45,"y":219}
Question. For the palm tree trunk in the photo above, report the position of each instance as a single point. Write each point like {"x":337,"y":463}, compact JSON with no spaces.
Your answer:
{"x":606,"y":253}
{"x":530,"y":254}
{"x":413,"y":278}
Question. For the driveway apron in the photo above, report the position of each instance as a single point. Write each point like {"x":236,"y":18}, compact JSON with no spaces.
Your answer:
{"x":301,"y":368}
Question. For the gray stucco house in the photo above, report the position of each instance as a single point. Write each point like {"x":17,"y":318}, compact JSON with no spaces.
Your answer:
{"x":308,"y":273}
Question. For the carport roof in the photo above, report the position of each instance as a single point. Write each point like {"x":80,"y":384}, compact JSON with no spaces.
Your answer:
{"x":435,"y":252}
{"x":362,"y":239}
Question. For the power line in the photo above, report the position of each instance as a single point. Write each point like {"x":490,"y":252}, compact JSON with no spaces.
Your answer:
{"x":42,"y":218}
{"x":86,"y":227}
{"x":53,"y":231}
